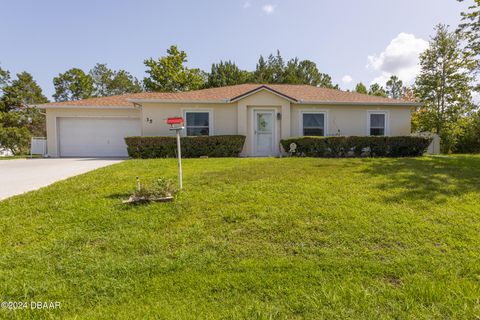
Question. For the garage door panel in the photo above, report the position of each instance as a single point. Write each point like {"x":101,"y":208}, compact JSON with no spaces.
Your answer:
{"x":95,"y":137}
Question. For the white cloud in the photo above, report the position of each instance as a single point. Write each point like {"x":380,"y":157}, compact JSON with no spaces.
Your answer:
{"x":347,"y":79}
{"x":399,"y":58}
{"x":268,"y":8}
{"x":247,"y":5}
{"x":476,"y":97}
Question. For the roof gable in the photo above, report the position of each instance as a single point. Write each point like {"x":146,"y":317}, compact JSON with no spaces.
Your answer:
{"x":262,"y":88}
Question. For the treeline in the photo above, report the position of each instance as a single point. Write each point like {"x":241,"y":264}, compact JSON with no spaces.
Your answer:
{"x":170,"y":73}
{"x":394,"y":89}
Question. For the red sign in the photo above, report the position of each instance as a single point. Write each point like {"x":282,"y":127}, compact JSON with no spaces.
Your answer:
{"x":175,"y":120}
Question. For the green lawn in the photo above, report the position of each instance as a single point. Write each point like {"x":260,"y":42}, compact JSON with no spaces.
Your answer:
{"x":19,"y":157}
{"x":251,"y":239}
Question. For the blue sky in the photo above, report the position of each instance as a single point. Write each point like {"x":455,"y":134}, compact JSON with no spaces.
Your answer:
{"x":354,"y":40}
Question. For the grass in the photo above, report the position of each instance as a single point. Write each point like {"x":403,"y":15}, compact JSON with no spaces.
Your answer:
{"x":19,"y":157}
{"x":251,"y":239}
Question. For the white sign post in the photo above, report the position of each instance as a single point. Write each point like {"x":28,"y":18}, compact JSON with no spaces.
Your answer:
{"x":178,"y":121}
{"x":179,"y":157}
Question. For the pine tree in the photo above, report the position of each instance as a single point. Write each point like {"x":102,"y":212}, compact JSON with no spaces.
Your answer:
{"x":107,"y":82}
{"x":443,"y":85}
{"x":394,"y":87}
{"x":226,"y":74}
{"x":361,"y":88}
{"x":74,"y":84}
{"x":377,"y":90}
{"x":470,"y":30}
{"x":21,"y":92}
{"x":170,"y":73}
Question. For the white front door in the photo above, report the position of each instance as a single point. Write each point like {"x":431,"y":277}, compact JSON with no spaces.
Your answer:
{"x":264,"y":133}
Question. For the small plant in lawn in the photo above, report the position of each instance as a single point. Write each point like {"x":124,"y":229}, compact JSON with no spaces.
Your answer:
{"x":160,"y":190}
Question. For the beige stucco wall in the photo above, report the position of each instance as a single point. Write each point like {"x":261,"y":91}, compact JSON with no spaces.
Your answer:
{"x":53,"y":114}
{"x":223,"y":117}
{"x":353,"y":120}
{"x":237,"y":118}
{"x":228,"y":118}
{"x":262,"y":100}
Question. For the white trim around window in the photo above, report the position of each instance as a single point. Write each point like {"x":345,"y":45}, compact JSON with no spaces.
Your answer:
{"x":210,"y":118}
{"x":387,"y":121}
{"x":308,"y":111}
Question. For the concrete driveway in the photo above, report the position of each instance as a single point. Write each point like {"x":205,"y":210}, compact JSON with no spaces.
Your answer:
{"x":19,"y":176}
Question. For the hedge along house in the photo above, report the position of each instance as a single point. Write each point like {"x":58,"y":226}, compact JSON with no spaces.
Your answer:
{"x":265,"y":114}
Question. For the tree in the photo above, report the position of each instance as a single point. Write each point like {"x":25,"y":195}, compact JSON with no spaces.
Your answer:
{"x":377,"y":90}
{"x":18,"y":121}
{"x":17,"y":126}
{"x":295,"y":71}
{"x":73,"y":84}
{"x":21,"y":92}
{"x":277,"y":67}
{"x":305,"y":72}
{"x":443,"y":85}
{"x":14,"y":139}
{"x":271,"y":70}
{"x":469,"y":142}
{"x":226,"y":74}
{"x":101,"y":76}
{"x":394,"y":87}
{"x":262,"y":73}
{"x":469,"y":28}
{"x":408,"y":94}
{"x":107,"y":82}
{"x":361,"y":88}
{"x":170,"y":73}
{"x":4,"y":79}
{"x":326,"y":82}
{"x":123,"y":82}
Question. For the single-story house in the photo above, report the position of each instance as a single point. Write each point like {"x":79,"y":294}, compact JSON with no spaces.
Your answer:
{"x":96,"y":127}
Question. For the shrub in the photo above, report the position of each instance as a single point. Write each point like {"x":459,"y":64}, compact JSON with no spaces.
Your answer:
{"x":161,"y":188}
{"x":15,"y":139}
{"x":469,"y":142}
{"x":336,"y":147}
{"x":192,"y":147}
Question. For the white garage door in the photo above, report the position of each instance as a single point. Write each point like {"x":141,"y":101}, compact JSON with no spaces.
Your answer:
{"x":95,"y":137}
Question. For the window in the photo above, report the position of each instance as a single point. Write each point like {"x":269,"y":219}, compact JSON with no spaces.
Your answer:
{"x":313,"y":124}
{"x":377,"y":123}
{"x":197,"y":123}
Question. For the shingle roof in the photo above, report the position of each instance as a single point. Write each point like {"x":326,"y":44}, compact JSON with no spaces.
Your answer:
{"x":297,"y":93}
